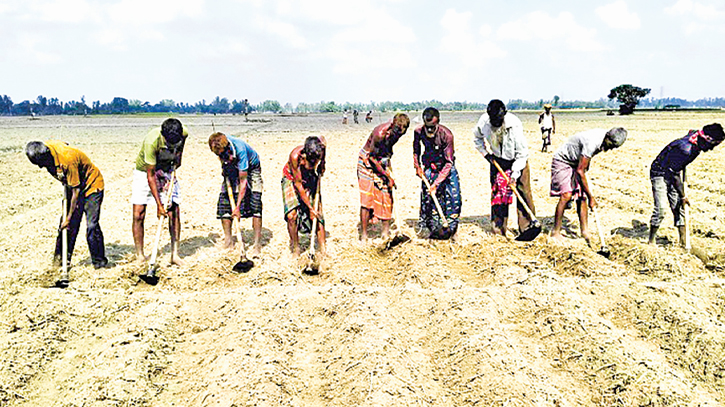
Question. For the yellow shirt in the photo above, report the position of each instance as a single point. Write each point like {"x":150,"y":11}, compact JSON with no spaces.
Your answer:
{"x":74,"y":168}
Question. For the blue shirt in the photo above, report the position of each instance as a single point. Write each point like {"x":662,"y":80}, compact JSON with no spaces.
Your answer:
{"x":243,"y":155}
{"x":674,"y":158}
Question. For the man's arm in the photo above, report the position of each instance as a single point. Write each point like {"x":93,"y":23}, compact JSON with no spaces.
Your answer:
{"x":553,"y":123}
{"x":416,"y":155}
{"x":581,"y":170}
{"x":151,"y":179}
{"x":521,"y":151}
{"x":237,"y":212}
{"x":377,"y":165}
{"x":75,"y":193}
{"x":299,"y":186}
{"x":448,"y":156}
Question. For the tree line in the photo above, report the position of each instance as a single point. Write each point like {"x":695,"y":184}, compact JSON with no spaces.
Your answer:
{"x":53,"y":106}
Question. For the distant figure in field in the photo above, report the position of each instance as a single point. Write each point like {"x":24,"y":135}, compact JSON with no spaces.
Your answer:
{"x":437,"y":164}
{"x":242,"y":168}
{"x":374,"y":174}
{"x":569,"y":168}
{"x":83,"y":189}
{"x":245,"y":109}
{"x":300,"y":177}
{"x":158,"y":159}
{"x":502,"y":133}
{"x":355,"y":114}
{"x":548,"y":127}
{"x":344,"y":117}
{"x":667,"y":175}
{"x":369,"y":116}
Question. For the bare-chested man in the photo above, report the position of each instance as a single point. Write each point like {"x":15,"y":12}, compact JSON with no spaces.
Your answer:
{"x":374,"y":174}
{"x":300,"y":177}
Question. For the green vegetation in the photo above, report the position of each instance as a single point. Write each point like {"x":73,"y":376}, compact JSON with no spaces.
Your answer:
{"x":629,"y":96}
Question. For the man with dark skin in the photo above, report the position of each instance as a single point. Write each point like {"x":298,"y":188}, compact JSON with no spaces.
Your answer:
{"x":667,"y":173}
{"x":433,"y":158}
{"x":374,"y":174}
{"x":300,"y":180}
{"x":548,"y":127}
{"x":568,"y":173}
{"x":84,"y":183}
{"x":159,"y":157}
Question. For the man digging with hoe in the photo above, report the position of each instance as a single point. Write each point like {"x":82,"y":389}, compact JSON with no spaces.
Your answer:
{"x":156,"y":165}
{"x":667,"y":175}
{"x":83,"y":182}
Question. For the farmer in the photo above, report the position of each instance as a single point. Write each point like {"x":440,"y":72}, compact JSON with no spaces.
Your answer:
{"x":369,"y":116}
{"x":438,"y":166}
{"x":83,"y":183}
{"x":241,"y":166}
{"x":499,"y":136}
{"x":569,"y":168}
{"x":344,"y":117}
{"x":548,"y":127}
{"x":159,"y":157}
{"x":300,"y":177}
{"x":374,"y":175}
{"x":667,"y":182}
{"x":355,"y":115}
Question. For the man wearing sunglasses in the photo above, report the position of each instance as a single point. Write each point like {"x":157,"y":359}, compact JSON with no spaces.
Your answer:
{"x":436,"y":161}
{"x":499,"y":136}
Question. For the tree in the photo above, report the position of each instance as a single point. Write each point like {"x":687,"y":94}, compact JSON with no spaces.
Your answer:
{"x":628,"y":96}
{"x":270,"y":106}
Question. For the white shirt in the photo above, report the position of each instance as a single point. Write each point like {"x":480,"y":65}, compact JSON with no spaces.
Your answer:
{"x":507,"y":142}
{"x":547,"y":121}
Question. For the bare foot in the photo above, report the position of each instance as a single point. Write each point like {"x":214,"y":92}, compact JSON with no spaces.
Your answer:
{"x":141,"y":259}
{"x":296,"y":252}
{"x":256,"y":251}
{"x":322,"y":252}
{"x":176,"y":261}
{"x":557,"y":238}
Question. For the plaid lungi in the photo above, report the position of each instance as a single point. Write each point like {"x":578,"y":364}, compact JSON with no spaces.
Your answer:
{"x":375,"y":193}
{"x":292,"y":201}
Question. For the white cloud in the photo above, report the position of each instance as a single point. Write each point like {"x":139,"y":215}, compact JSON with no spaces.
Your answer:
{"x":27,"y":45}
{"x":540,"y":26}
{"x":617,"y":15}
{"x":378,"y":26}
{"x":66,"y":11}
{"x":285,"y":31}
{"x":460,"y":40}
{"x":704,"y":12}
{"x":144,"y":12}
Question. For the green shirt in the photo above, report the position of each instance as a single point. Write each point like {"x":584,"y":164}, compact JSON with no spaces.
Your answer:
{"x":152,"y":144}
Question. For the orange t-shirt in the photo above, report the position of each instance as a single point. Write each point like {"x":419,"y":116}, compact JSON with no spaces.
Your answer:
{"x":74,"y":168}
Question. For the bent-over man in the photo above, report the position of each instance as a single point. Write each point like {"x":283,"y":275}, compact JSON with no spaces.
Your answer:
{"x":502,"y":133}
{"x":242,"y":168}
{"x":569,"y":168}
{"x":437,"y":163}
{"x":374,"y":174}
{"x":300,"y":179}
{"x":159,"y":157}
{"x":83,"y":188}
{"x":667,"y":173}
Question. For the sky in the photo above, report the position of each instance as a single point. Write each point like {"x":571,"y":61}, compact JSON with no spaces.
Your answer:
{"x":358,"y":51}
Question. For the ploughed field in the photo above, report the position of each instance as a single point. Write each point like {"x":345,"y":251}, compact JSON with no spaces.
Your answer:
{"x":480,"y":321}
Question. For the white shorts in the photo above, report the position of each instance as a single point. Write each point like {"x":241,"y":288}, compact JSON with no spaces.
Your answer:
{"x":141,"y":192}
